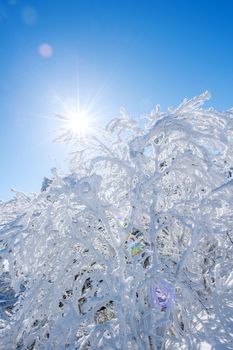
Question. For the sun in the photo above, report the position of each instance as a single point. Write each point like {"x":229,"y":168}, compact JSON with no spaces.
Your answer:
{"x":78,"y":123}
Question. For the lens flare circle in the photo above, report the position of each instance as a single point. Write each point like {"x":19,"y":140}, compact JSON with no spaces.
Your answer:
{"x":45,"y":50}
{"x":162,"y":295}
{"x":29,"y":15}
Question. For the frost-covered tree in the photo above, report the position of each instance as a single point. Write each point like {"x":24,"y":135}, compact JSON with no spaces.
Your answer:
{"x":133,"y":248}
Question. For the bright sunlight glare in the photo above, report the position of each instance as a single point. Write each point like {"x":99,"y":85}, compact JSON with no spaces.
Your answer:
{"x":79,"y":124}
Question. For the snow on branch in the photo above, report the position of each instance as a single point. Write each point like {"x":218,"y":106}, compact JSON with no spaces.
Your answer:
{"x":133,"y":248}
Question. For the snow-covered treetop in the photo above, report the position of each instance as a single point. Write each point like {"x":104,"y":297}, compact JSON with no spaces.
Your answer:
{"x":133,"y":248}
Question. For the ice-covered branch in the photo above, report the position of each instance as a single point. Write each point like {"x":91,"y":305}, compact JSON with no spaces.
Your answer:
{"x":133,"y":248}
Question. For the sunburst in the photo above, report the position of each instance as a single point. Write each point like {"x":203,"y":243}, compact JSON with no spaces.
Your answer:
{"x":79,"y":124}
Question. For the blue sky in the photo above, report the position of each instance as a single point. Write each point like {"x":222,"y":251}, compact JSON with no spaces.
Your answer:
{"x":132,"y":53}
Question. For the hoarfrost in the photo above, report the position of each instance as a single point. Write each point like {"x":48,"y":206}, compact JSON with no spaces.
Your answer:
{"x":144,"y":208}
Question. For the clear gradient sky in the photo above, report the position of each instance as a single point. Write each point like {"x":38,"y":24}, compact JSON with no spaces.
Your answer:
{"x":132,"y":53}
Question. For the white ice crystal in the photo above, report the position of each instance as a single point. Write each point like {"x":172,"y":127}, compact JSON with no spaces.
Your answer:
{"x":71,"y":280}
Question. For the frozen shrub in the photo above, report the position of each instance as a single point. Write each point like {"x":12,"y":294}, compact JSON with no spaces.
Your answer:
{"x":133,"y":248}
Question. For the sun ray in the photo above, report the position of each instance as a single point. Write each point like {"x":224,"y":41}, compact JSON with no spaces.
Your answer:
{"x":81,"y":120}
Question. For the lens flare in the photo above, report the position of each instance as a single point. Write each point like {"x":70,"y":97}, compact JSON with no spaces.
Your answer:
{"x":121,"y":222}
{"x":29,"y":15}
{"x":45,"y":50}
{"x":135,"y":248}
{"x":162,"y":295}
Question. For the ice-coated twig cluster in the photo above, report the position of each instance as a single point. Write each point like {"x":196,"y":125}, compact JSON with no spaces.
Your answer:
{"x":132,"y":250}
